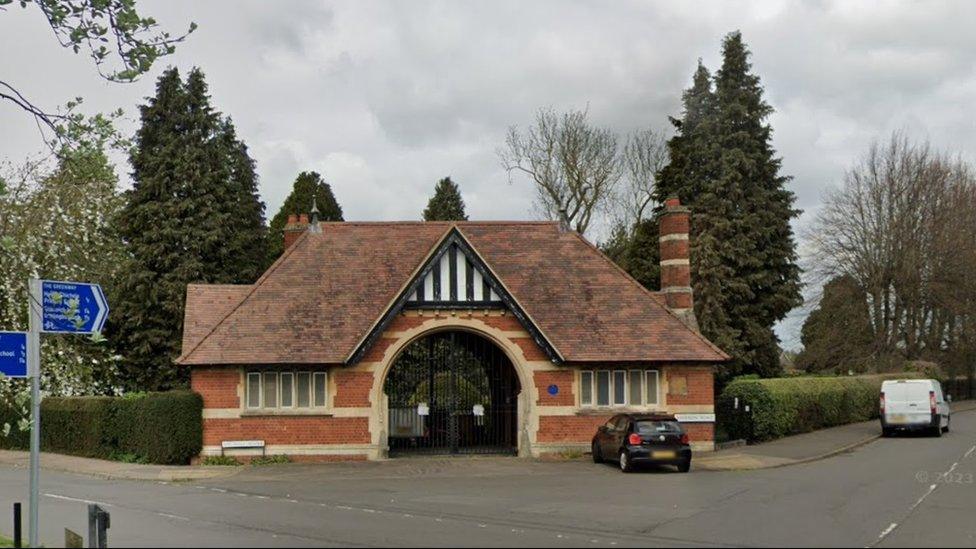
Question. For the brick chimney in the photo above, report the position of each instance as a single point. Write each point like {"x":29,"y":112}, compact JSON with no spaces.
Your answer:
{"x":297,"y":224}
{"x":675,"y":225}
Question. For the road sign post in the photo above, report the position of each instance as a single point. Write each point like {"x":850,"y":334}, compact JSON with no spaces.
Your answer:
{"x":54,"y":307}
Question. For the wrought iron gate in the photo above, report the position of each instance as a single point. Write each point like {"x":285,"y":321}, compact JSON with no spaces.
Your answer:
{"x":452,"y":393}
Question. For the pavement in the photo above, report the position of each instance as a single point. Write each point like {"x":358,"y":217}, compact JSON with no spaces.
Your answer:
{"x":116,"y":469}
{"x":902,"y":491}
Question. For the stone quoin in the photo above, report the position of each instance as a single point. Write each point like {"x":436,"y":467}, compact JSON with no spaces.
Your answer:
{"x":368,"y":340}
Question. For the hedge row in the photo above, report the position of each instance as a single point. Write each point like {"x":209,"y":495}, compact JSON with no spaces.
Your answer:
{"x":164,"y":428}
{"x":786,"y":406}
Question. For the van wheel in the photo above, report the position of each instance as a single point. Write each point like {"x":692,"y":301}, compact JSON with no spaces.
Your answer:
{"x":885,"y":432}
{"x":937,"y":431}
{"x":597,"y":458}
{"x":625,"y":464}
{"x":946,"y":428}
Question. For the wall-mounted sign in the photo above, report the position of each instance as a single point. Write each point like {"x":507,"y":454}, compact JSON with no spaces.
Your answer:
{"x":478,"y":410}
{"x":695,"y":418}
{"x":553,"y":389}
{"x":423,"y":409}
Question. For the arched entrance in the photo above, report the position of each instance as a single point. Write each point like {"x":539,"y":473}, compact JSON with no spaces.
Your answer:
{"x":452,"y":392}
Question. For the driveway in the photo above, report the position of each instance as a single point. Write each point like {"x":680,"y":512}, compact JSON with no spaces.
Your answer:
{"x":892,"y":492}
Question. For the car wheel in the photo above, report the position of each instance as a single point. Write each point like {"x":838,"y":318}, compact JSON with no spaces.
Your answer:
{"x":684,"y":466}
{"x":597,"y":458}
{"x":625,"y":464}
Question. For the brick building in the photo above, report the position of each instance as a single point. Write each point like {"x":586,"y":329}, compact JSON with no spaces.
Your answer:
{"x":372,"y":339}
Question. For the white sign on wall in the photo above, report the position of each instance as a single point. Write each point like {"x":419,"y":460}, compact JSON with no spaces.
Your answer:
{"x":695,"y":418}
{"x":423,"y":409}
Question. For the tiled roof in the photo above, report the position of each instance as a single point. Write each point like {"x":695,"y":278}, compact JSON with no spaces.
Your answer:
{"x":321,"y":299}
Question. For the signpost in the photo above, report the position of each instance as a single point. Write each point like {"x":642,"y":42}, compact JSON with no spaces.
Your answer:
{"x":54,"y":308}
{"x":13,"y":354}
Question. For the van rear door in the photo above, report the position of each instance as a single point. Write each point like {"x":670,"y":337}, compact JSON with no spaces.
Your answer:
{"x":907,"y":402}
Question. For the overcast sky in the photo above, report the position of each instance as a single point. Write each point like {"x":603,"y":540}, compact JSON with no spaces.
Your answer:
{"x":383,"y":99}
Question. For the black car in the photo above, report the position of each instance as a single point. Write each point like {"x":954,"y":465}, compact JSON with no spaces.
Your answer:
{"x":638,"y":439}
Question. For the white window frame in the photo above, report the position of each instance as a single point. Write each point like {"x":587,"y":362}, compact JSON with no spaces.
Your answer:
{"x":281,"y":390}
{"x":645,"y":395}
{"x":613,"y":388}
{"x":260,"y":376}
{"x":583,"y":374}
{"x":247,"y":390}
{"x":325,"y":390}
{"x":657,"y":388}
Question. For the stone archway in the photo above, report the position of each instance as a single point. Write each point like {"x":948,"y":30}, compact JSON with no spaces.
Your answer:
{"x":452,"y":392}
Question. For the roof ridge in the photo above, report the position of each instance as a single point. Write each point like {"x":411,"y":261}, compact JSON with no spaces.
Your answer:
{"x":634,"y":281}
{"x":259,"y":282}
{"x":459,"y":222}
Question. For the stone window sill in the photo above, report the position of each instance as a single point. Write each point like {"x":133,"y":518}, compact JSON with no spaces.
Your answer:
{"x":257,"y":412}
{"x":614,"y":410}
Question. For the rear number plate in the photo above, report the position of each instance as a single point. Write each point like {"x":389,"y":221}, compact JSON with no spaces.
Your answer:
{"x":663,"y":454}
{"x":897,"y":418}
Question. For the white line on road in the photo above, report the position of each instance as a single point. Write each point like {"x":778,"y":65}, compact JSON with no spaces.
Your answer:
{"x":888,"y":530}
{"x":925,"y":495}
{"x":971,"y":450}
{"x":177,"y":517}
{"x":66,"y":498}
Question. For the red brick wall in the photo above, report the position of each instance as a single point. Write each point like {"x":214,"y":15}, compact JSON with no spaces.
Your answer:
{"x":505,"y":323}
{"x":530,"y":349}
{"x":569,"y":428}
{"x":378,"y":349}
{"x":288,"y":430}
{"x":700,"y":432}
{"x":352,"y":388}
{"x":580,"y":429}
{"x":217,"y":386}
{"x":700,"y":385}
{"x":562,"y":379}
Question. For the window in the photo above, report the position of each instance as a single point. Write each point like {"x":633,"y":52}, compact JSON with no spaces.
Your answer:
{"x":619,"y":388}
{"x":304,"y":386}
{"x":253,"y":390}
{"x":269,"y":390}
{"x":603,"y":388}
{"x":318,"y":389}
{"x":287,"y":389}
{"x":652,"y":390}
{"x":636,"y":387}
{"x":586,"y":388}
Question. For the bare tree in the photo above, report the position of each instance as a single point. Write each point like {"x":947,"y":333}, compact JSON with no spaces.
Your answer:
{"x":573,"y":164}
{"x":904,"y":226}
{"x":645,"y":153}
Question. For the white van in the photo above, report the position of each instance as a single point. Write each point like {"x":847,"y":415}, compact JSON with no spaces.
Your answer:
{"x":913,"y":405}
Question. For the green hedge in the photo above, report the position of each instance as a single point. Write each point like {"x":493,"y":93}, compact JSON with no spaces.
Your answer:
{"x":164,"y":428}
{"x":786,"y":406}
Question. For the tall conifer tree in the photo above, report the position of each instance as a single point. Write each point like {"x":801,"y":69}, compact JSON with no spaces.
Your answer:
{"x":446,"y":204}
{"x":743,"y":253}
{"x":307,"y":186}
{"x":192,"y":215}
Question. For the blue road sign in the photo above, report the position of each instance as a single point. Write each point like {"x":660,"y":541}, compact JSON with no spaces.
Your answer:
{"x":13,"y":354}
{"x":72,"y":307}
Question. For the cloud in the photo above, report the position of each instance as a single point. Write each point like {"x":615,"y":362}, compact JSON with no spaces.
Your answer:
{"x":386,"y":98}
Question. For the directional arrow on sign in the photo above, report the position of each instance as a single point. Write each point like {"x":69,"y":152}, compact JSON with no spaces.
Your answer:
{"x":72,"y":307}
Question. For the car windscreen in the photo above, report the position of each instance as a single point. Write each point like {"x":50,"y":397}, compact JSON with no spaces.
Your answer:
{"x":905,"y":392}
{"x":648,"y":427}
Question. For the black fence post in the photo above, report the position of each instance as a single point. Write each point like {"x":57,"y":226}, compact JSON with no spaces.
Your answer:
{"x":18,"y":533}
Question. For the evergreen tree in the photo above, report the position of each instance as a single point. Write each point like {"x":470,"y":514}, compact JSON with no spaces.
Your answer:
{"x":192,"y":215}
{"x":743,"y":253}
{"x":307,"y":186}
{"x":760,"y":248}
{"x":837,"y":336}
{"x":446,"y":204}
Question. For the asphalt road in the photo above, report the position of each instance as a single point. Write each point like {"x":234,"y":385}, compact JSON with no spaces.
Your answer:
{"x":893,"y":492}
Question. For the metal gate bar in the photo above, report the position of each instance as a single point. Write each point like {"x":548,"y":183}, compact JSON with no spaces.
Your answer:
{"x":452,"y":393}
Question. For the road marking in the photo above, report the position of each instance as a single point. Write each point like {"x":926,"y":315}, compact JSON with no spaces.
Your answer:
{"x":971,"y":450}
{"x":888,"y":530}
{"x":177,"y":517}
{"x":925,"y":495}
{"x":219,"y":490}
{"x":89,"y":502}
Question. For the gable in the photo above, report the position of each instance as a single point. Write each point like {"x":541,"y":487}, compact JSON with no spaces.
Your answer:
{"x":455,"y":276}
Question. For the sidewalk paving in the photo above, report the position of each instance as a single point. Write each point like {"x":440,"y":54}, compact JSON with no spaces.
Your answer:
{"x":799,"y":448}
{"x":117,"y":470}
